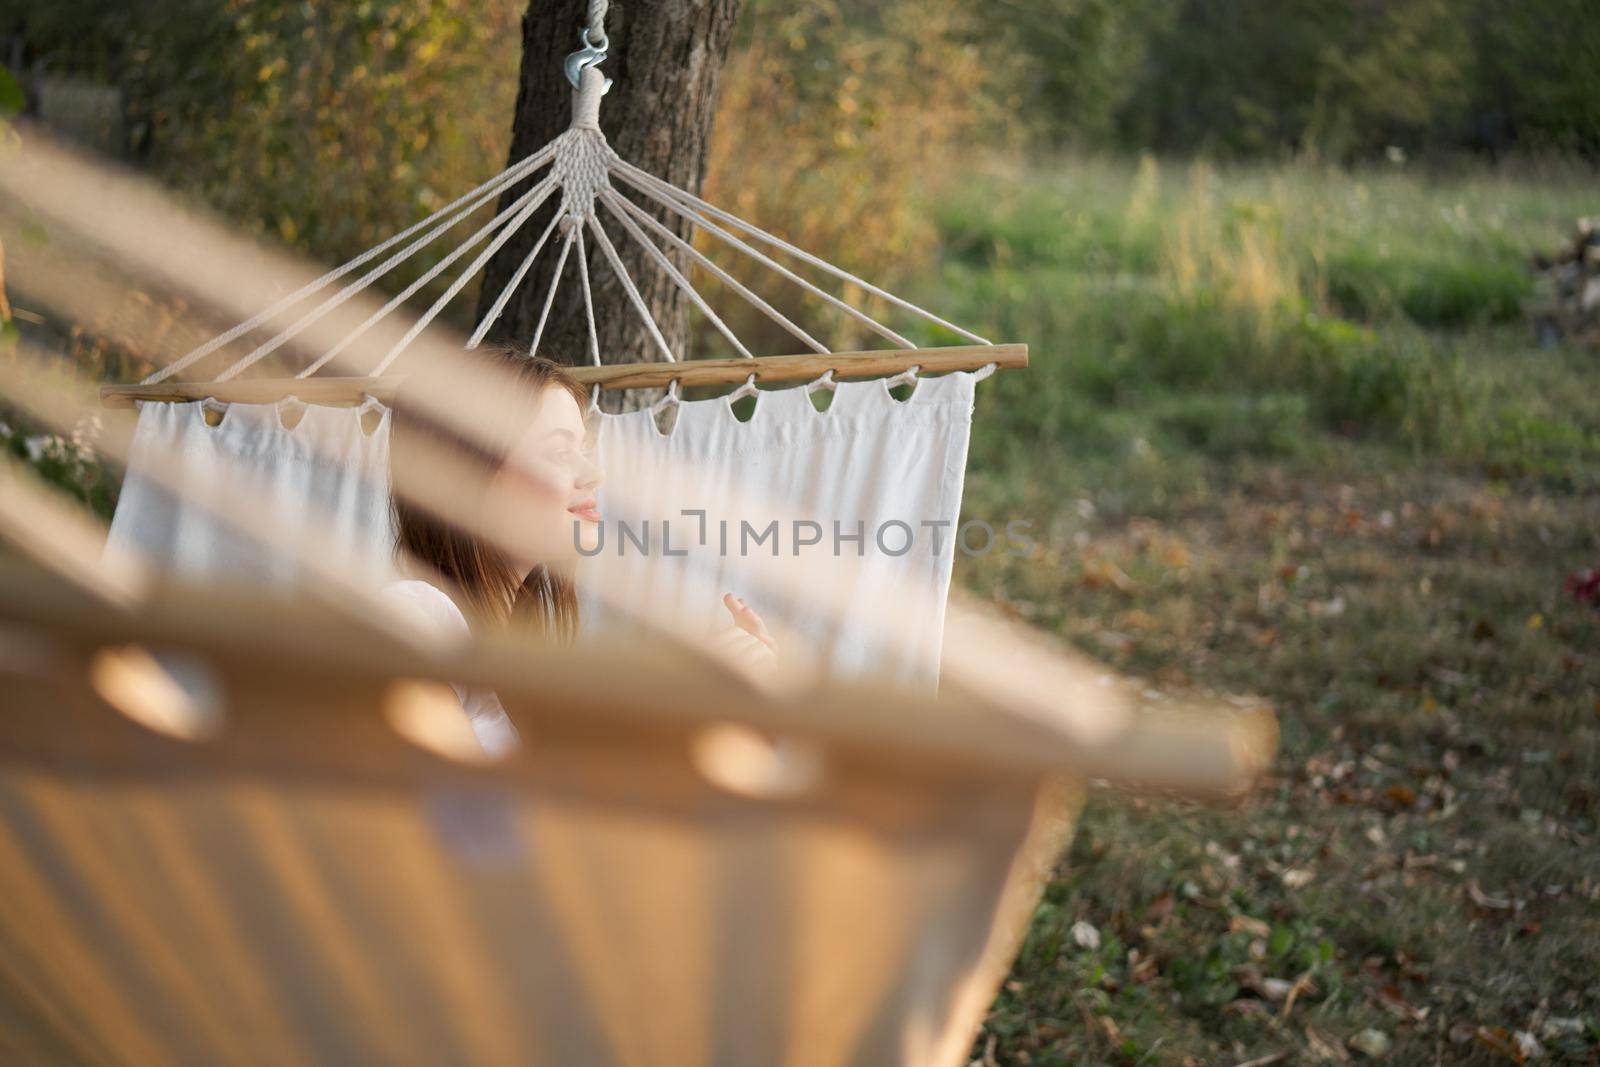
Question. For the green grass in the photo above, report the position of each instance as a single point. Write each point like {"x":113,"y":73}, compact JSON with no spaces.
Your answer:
{"x":1300,"y":411}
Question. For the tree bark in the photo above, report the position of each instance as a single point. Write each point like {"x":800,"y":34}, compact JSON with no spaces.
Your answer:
{"x":664,"y":60}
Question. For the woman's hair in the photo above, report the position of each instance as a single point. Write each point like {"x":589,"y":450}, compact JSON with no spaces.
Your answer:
{"x":485,"y":579}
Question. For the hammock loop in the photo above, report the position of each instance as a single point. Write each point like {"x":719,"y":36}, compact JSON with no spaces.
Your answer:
{"x":594,"y":398}
{"x":289,"y":411}
{"x":984,"y":371}
{"x":671,"y":397}
{"x":212,"y":411}
{"x":822,"y":381}
{"x":747,"y":389}
{"x":905,"y":377}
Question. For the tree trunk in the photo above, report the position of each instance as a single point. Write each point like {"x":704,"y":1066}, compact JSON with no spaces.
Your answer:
{"x":664,"y":59}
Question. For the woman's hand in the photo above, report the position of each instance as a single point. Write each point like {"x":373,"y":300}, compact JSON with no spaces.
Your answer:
{"x":746,"y":619}
{"x":747,"y":643}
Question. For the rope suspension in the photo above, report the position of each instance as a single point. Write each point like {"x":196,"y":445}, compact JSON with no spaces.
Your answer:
{"x":590,"y":178}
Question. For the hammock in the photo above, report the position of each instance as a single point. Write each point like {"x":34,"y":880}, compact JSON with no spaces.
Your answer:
{"x":884,"y":475}
{"x":304,"y":885}
{"x":874,"y":479}
{"x":273,"y":863}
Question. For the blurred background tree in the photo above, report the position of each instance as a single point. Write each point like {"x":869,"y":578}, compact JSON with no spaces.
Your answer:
{"x":326,"y":125}
{"x":383,"y":107}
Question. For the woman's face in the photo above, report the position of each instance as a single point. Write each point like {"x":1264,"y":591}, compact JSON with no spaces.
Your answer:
{"x":549,"y":483}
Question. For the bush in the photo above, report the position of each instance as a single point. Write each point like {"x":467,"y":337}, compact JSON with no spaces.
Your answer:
{"x":1224,"y":425}
{"x":1433,"y":292}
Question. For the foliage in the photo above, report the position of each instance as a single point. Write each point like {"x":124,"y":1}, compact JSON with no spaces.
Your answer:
{"x":1536,"y":86}
{"x":11,"y":99}
{"x":365,"y":99}
{"x":384,"y":110}
{"x":835,"y":123}
{"x":1381,"y":304}
{"x":1431,"y":289}
{"x":1075,"y":62}
{"x":69,"y":463}
{"x":1340,"y":80}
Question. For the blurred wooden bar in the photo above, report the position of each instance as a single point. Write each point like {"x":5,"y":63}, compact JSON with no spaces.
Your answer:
{"x":707,"y":372}
{"x":647,"y":879}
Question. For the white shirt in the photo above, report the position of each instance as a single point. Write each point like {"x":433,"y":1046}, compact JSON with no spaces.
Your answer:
{"x":431,"y":606}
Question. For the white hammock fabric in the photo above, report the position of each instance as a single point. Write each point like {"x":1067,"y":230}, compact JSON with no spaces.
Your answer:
{"x":888,"y":470}
{"x":856,"y":505}
{"x":327,"y":467}
{"x":868,"y":460}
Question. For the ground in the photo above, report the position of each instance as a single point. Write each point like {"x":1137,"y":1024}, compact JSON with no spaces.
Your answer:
{"x":1357,"y":496}
{"x":1422,"y":860}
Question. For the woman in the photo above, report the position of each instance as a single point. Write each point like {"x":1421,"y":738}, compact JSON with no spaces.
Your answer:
{"x":533,"y":455}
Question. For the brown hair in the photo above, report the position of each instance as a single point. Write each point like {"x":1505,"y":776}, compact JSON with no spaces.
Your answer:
{"x":485,"y":580}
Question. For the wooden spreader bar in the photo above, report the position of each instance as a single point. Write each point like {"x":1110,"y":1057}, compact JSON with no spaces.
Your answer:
{"x":767,"y":369}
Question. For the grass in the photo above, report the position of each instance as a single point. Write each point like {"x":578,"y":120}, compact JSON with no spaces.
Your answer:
{"x":1297,"y":414}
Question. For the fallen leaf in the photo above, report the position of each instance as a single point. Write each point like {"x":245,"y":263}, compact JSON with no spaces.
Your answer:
{"x":1402,"y":795}
{"x":1373,"y":1044}
{"x":1324,"y":1050}
{"x":1142,"y":968}
{"x":1297,"y":878}
{"x":1266,"y":1061}
{"x":1085,"y":935}
{"x":1245,"y":924}
{"x":1302,"y":985}
{"x":1490,"y":903}
{"x":1392,"y":1000}
{"x":1498,"y":1040}
{"x":1140,"y":620}
{"x":1159,"y":908}
{"x":1275,"y":988}
{"x":1557,"y":1026}
{"x":1097,"y":572}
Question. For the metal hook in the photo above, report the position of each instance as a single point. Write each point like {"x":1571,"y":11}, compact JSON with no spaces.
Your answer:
{"x":592,"y":54}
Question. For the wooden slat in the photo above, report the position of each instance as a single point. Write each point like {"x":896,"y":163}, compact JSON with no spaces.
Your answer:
{"x":649,"y":689}
{"x":61,"y":537}
{"x":767,"y":369}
